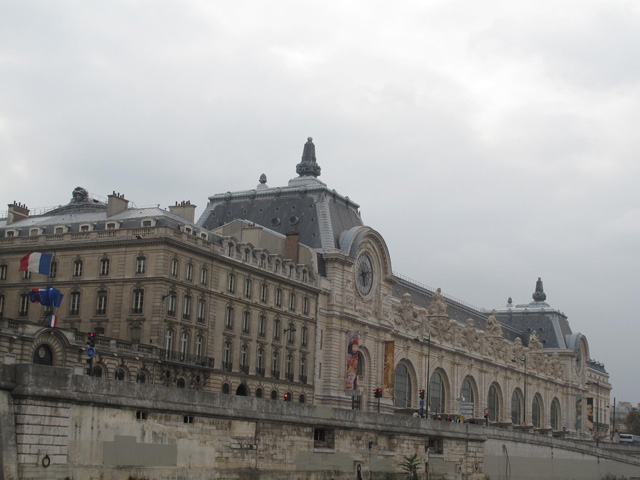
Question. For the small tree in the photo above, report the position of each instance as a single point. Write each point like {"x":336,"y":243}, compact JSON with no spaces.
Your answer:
{"x":410,"y":466}
{"x":632,"y":422}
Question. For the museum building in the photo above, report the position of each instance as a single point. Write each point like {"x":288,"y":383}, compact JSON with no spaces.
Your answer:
{"x":284,"y":293}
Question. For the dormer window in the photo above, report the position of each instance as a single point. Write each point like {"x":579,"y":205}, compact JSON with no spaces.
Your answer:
{"x":34,"y":231}
{"x":10,"y":233}
{"x":59,"y":230}
{"x":263,"y":261}
{"x":230,"y":249}
{"x":84,"y":228}
{"x":148,"y":222}
{"x":305,"y":276}
{"x":246,"y":255}
{"x":203,"y":236}
{"x":111,"y":226}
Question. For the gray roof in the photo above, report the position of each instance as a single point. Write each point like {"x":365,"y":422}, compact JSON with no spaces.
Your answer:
{"x":305,"y":205}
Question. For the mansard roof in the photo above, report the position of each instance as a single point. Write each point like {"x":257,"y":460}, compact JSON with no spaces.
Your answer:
{"x":305,"y":205}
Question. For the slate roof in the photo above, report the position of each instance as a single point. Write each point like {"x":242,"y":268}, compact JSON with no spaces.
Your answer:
{"x":305,"y":205}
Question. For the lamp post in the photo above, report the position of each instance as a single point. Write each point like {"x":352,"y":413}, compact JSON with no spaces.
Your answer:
{"x":428,"y":373}
{"x":524,"y":401}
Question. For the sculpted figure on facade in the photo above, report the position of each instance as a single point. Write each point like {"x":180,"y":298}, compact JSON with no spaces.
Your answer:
{"x":518,"y":348}
{"x":534,"y":343}
{"x":469,"y":337}
{"x":438,"y":307}
{"x":494,"y":329}
{"x":405,"y":315}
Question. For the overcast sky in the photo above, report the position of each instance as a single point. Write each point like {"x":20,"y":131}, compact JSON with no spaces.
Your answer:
{"x":490,"y":143}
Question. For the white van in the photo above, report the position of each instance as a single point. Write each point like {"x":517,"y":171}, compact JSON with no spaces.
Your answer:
{"x":628,"y":438}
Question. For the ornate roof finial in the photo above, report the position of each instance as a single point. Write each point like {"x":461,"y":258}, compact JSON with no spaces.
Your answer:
{"x":308,"y":166}
{"x":539,"y":295}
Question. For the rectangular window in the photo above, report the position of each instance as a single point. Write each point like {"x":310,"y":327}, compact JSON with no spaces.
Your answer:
{"x":263,"y":293}
{"x":203,"y":276}
{"x":54,"y":270}
{"x":247,"y":288}
{"x":323,"y":438}
{"x":292,"y":302}
{"x":189,"y":272}
{"x":198,"y":350}
{"x":26,"y":275}
{"x":276,"y":329}
{"x":246,"y":321}
{"x":201,"y":311}
{"x":174,"y":267}
{"x":24,"y":305}
{"x":228,"y":321}
{"x":74,"y":305}
{"x":262,"y":325}
{"x":278,"y":297}
{"x":3,"y":272}
{"x":141,"y":264}
{"x":303,"y":339}
{"x":260,"y":361}
{"x":305,"y":306}
{"x":186,"y":310}
{"x":1,"y":306}
{"x":101,"y":307}
{"x":231,"y":283}
{"x":138,"y":301}
{"x":104,"y":267}
{"x":171,"y":306}
{"x":77,"y":268}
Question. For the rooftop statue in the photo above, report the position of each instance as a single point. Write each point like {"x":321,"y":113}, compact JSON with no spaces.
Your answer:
{"x":80,"y":195}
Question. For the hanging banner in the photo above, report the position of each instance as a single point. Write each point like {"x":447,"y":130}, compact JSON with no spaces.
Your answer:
{"x":389,"y":352}
{"x":578,"y":413}
{"x":353,"y":342}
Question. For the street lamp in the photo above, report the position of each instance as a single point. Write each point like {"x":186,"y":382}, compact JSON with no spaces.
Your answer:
{"x":524,"y":359}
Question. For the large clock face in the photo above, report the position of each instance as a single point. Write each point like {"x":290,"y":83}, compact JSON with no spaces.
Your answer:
{"x":364,"y":274}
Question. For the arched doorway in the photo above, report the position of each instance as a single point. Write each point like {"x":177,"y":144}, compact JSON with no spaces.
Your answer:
{"x":242,"y":390}
{"x":43,"y":355}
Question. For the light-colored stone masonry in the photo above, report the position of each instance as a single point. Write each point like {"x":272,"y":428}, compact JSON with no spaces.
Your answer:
{"x":58,"y":425}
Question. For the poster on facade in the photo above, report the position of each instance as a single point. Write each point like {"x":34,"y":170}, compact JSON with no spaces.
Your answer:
{"x":353,"y":342}
{"x":578,"y":413}
{"x":590,"y":414}
{"x":389,"y":352}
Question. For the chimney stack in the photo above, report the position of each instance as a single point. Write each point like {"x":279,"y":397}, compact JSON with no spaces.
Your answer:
{"x":117,"y":203}
{"x":17,"y":212}
{"x":184,"y":209}
{"x":291,"y":245}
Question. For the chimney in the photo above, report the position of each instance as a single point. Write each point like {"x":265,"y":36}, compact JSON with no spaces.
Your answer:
{"x":17,"y":212}
{"x":117,"y":203}
{"x":291,"y":245}
{"x":184,"y":210}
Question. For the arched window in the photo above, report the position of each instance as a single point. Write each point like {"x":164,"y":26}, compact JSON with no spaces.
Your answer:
{"x":402,"y":387}
{"x":555,"y":414}
{"x":119,"y":373}
{"x":97,"y":371}
{"x":437,"y":395}
{"x":466,"y":392}
{"x":361,"y":368}
{"x":141,"y":377}
{"x":225,"y":388}
{"x":494,"y":404}
{"x":516,"y":408}
{"x":536,"y":411}
{"x":274,"y":394}
{"x":259,"y":393}
{"x":302,"y":399}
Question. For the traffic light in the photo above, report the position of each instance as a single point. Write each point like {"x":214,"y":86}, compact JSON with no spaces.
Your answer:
{"x":421,"y":394}
{"x":377,"y":393}
{"x":91,"y":339}
{"x":287,"y":397}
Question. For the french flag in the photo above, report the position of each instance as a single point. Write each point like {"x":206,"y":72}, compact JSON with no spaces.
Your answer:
{"x":53,"y":321}
{"x":37,"y":262}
